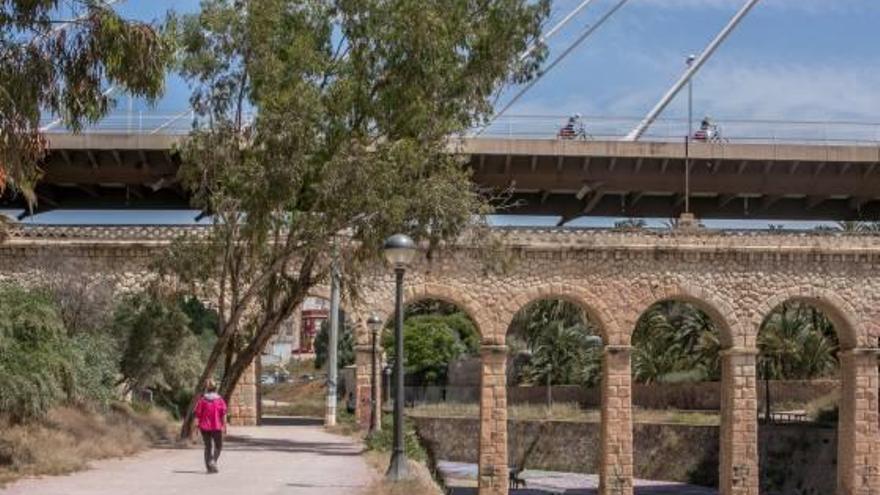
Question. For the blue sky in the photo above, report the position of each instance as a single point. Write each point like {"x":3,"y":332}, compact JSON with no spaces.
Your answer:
{"x":788,"y":60}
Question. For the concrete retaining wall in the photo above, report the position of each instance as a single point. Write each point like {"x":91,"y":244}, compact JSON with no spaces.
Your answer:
{"x":795,"y":459}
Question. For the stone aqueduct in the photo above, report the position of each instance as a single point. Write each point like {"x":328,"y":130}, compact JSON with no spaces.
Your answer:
{"x":736,"y":278}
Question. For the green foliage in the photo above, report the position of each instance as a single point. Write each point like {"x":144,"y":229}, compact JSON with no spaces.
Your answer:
{"x":432,"y":342}
{"x":564,"y":354}
{"x":354,"y":105}
{"x":96,"y":364}
{"x":675,"y":341}
{"x":42,"y":365}
{"x":850,"y":226}
{"x":561,"y":341}
{"x":160,"y":347}
{"x":37,"y":363}
{"x":345,"y":356}
{"x":797,"y":342}
{"x":61,"y":68}
{"x":383,"y":440}
{"x":631,"y":224}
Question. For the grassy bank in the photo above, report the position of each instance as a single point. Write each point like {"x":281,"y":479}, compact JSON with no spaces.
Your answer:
{"x":378,"y":456}
{"x":567,"y":412}
{"x":68,"y":438}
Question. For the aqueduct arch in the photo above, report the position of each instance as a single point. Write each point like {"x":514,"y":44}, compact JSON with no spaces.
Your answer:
{"x":738,"y":277}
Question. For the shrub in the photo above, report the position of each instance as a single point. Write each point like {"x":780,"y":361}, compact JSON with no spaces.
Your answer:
{"x":345,"y":356}
{"x":37,"y":362}
{"x":159,"y":349}
{"x":383,"y":440}
{"x":96,"y":367}
{"x":431,"y":342}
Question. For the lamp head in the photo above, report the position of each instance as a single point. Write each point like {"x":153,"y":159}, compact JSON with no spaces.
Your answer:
{"x":374,"y":322}
{"x":399,"y":250}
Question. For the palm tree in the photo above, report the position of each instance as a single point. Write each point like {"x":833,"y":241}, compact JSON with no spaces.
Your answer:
{"x":559,"y":354}
{"x":674,"y":339}
{"x":531,"y":322}
{"x":851,"y":226}
{"x":796,"y":342}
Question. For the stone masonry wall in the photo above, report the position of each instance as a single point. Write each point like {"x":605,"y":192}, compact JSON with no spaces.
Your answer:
{"x":736,"y":278}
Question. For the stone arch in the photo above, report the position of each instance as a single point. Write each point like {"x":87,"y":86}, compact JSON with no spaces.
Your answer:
{"x":839,"y":311}
{"x":449,"y":294}
{"x":596,"y":309}
{"x":717,"y":308}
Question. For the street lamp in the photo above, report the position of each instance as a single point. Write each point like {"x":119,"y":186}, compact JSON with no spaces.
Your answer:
{"x":690,"y":61}
{"x":687,"y":140}
{"x":375,"y":324}
{"x":399,"y":252}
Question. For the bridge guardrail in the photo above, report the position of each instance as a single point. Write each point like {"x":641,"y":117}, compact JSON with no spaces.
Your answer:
{"x":547,"y":126}
{"x":675,"y":130}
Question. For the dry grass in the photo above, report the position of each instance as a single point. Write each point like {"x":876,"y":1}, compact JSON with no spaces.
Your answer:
{"x":303,"y":399}
{"x":68,"y":438}
{"x":421,"y":483}
{"x":566,"y":412}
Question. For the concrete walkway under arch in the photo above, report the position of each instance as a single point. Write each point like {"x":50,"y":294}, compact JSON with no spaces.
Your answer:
{"x":297,"y":459}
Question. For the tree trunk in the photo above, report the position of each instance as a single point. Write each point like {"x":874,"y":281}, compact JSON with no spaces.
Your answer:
{"x":767,"y":408}
{"x":549,"y":395}
{"x":271,"y":321}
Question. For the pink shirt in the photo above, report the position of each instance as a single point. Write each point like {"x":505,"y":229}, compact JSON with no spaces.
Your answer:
{"x":211,"y":412}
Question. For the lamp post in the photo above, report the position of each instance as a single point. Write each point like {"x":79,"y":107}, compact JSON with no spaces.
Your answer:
{"x":687,"y":140}
{"x":375,"y":323}
{"x":689,"y":62}
{"x":399,"y":251}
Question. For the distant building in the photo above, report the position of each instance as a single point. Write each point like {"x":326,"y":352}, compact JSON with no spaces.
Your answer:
{"x":296,"y":337}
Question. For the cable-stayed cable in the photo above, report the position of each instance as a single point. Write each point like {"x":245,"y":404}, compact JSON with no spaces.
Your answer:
{"x":586,"y":34}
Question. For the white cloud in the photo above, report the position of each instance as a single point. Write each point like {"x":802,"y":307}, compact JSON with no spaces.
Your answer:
{"x":812,"y":6}
{"x":791,"y":92}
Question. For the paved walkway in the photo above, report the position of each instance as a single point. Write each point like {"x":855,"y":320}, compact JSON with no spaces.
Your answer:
{"x":299,"y":459}
{"x":460,"y":477}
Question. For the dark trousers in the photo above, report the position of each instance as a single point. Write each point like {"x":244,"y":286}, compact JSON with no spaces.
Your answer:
{"x":213,"y":445}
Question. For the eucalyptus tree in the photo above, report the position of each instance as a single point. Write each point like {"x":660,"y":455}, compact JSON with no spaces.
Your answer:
{"x":58,"y":58}
{"x":354,"y":106}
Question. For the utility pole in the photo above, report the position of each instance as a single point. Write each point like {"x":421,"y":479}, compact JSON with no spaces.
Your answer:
{"x":333,"y":345}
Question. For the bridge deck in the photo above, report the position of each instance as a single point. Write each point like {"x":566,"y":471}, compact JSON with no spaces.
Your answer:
{"x":546,"y":176}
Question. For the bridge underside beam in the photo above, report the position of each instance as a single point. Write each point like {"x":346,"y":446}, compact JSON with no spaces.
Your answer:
{"x":670,"y":206}
{"x":550,"y":177}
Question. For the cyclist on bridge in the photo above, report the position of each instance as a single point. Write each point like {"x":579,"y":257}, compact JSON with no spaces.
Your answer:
{"x":572,"y":128}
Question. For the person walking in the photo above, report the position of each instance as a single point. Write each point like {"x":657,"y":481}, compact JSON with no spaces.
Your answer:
{"x":211,"y":414}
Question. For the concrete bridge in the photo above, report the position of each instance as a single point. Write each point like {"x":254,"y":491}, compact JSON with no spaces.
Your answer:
{"x":813,"y":181}
{"x":736,"y":278}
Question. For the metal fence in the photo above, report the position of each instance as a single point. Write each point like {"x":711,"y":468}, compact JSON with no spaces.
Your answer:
{"x":598,"y":127}
{"x":675,"y":129}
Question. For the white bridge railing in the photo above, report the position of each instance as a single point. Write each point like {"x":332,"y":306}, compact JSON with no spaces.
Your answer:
{"x":603,"y":128}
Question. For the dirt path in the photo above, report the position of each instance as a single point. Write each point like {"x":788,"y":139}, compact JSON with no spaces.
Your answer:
{"x":299,"y":459}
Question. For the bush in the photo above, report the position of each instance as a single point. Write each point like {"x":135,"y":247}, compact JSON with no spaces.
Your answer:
{"x":96,"y":367}
{"x":383,"y":440}
{"x":160,"y":347}
{"x":37,"y":360}
{"x":431,"y":342}
{"x":345,"y":357}
{"x":42,"y":366}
